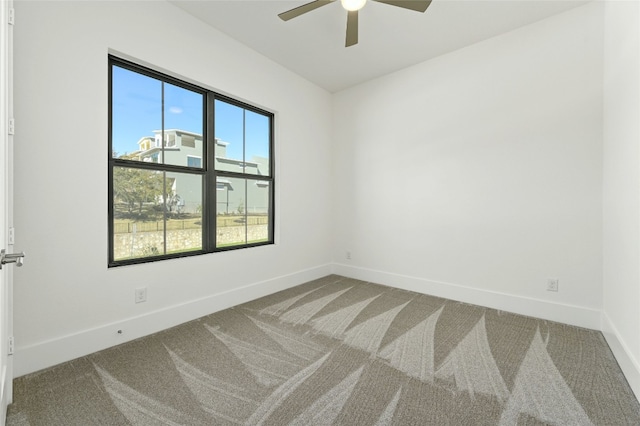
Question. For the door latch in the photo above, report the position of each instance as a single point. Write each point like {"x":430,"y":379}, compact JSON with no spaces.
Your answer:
{"x":17,"y":258}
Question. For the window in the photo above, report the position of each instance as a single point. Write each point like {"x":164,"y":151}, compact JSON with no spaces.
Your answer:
{"x":194,"y":161}
{"x":190,"y":171}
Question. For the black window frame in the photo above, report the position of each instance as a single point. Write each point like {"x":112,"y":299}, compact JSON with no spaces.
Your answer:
{"x":207,"y":170}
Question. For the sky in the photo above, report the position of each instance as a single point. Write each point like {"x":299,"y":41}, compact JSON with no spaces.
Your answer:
{"x":137,"y":112}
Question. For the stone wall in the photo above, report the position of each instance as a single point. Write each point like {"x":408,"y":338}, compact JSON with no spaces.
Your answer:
{"x":141,"y":244}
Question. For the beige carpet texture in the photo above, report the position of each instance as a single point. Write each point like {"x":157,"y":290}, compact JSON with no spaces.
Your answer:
{"x":338,"y":351}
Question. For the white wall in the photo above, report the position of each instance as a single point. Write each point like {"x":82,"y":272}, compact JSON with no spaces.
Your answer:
{"x":67,"y":302}
{"x":621,"y":295}
{"x":478,"y":175}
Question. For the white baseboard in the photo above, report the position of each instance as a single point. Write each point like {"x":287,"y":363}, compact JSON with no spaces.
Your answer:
{"x":629,"y":365}
{"x":567,"y":314}
{"x":29,"y":359}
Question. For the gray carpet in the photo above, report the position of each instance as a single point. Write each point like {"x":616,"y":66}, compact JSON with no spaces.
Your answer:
{"x":340,"y":351}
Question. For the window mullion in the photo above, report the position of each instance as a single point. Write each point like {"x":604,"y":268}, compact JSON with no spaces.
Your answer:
{"x":164,"y":173}
{"x":210,"y":213}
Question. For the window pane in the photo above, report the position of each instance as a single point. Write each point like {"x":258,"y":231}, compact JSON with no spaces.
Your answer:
{"x":257,"y":135}
{"x":137,"y":216}
{"x":183,"y":207}
{"x":231,"y":211}
{"x":258,"y":211}
{"x":148,"y":223}
{"x":243,"y":211}
{"x":183,"y":124}
{"x":136,"y":113}
{"x":229,"y":129}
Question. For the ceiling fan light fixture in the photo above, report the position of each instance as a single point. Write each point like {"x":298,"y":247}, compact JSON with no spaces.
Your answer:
{"x":353,"y":5}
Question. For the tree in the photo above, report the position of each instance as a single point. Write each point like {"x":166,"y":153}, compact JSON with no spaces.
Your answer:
{"x":135,"y":187}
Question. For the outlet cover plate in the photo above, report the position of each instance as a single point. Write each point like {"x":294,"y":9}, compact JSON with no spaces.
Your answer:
{"x":141,"y":295}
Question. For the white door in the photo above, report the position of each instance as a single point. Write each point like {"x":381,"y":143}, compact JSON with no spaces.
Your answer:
{"x":6,"y":294}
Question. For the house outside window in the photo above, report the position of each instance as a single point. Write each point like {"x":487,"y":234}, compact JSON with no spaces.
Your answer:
{"x":190,"y":171}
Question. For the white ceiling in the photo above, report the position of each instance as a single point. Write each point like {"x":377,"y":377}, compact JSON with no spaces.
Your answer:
{"x":390,"y":38}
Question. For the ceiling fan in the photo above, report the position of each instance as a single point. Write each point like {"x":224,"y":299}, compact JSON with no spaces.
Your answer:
{"x":352,"y":7}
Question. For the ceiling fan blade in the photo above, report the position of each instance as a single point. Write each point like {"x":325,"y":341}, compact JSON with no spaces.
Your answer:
{"x":293,"y":13}
{"x":417,"y":5}
{"x":352,"y":28}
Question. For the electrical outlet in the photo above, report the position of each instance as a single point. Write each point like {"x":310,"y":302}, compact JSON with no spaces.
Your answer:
{"x":141,"y":295}
{"x":348,"y":255}
{"x":552,"y":284}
